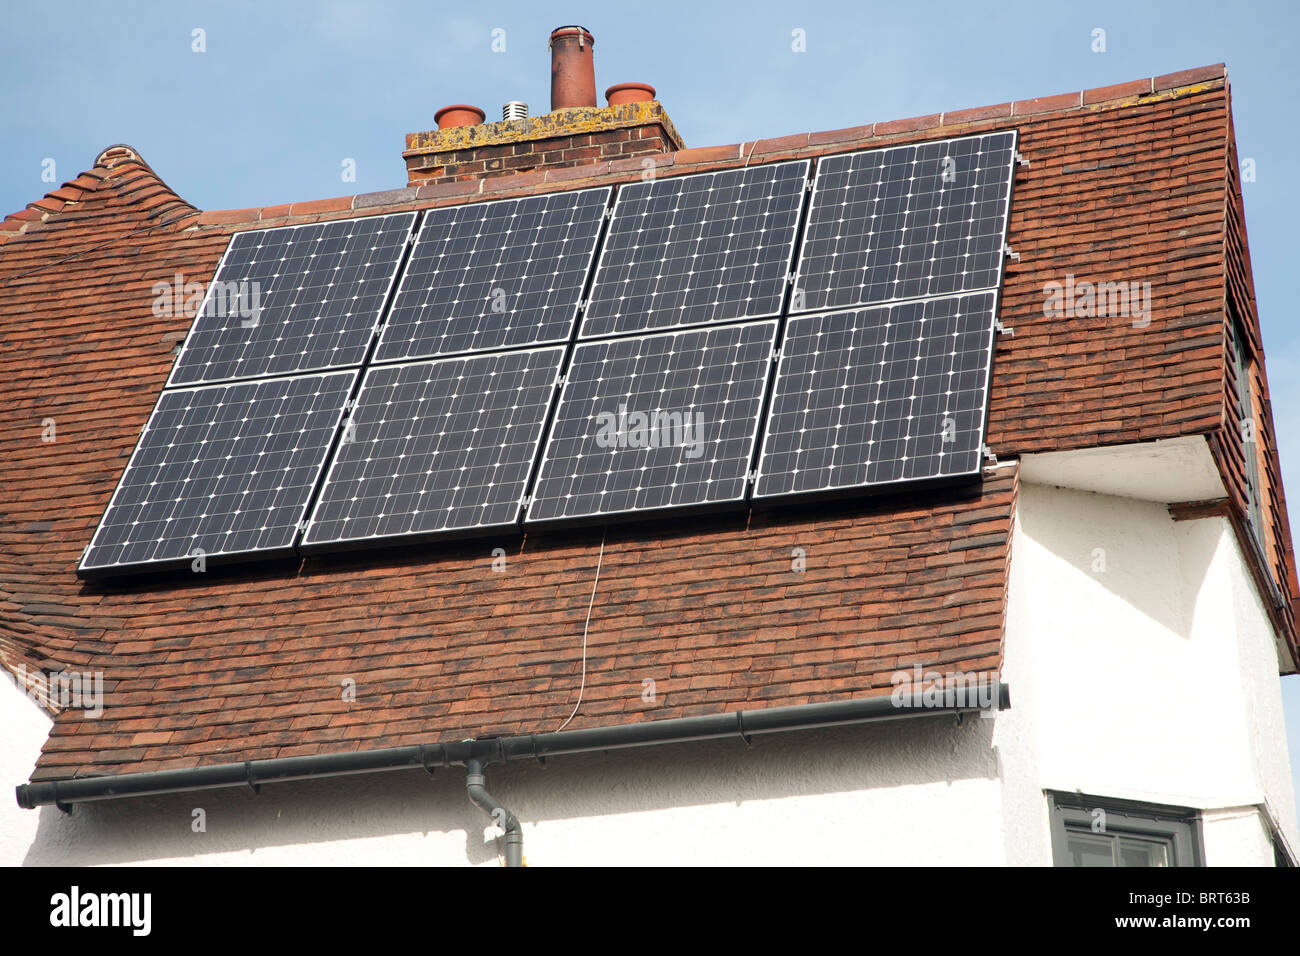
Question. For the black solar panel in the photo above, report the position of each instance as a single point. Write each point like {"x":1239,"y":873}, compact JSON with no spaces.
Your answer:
{"x":883,"y":394}
{"x":909,"y":221}
{"x":698,"y":249}
{"x":655,"y":421}
{"x":294,"y":299}
{"x":444,"y":445}
{"x":228,"y":469}
{"x":493,"y":275}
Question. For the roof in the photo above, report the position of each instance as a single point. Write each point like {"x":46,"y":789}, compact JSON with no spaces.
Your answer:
{"x":1129,"y":182}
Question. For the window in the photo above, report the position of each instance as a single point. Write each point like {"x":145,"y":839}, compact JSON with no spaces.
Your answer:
{"x":1097,"y":831}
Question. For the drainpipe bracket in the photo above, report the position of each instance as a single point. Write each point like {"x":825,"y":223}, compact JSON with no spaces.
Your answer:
{"x":65,"y":807}
{"x":424,"y":760}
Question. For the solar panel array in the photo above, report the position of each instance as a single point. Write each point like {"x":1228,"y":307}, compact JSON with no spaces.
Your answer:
{"x":492,"y":275}
{"x":690,"y":250}
{"x":656,"y":421}
{"x":879,"y":395}
{"x":222,"y":470}
{"x":295,"y":299}
{"x":906,"y":222}
{"x":446,"y":445}
{"x":706,"y":341}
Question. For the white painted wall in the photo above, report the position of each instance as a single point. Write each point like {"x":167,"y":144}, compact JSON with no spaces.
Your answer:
{"x":914,"y":792}
{"x":1154,"y":679}
{"x":25,"y":727}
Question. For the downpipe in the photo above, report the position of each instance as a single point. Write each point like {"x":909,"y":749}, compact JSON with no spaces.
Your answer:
{"x":475,"y":787}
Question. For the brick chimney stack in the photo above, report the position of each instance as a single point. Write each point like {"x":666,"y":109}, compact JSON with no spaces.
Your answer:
{"x":576,"y":132}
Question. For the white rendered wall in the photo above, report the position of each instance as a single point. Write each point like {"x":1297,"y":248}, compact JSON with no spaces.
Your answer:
{"x":25,"y":727}
{"x":1150,"y":668}
{"x":911,"y":792}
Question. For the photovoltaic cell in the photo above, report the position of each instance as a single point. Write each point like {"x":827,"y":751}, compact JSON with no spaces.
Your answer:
{"x":295,"y":299}
{"x":920,"y":220}
{"x":878,"y":395}
{"x":443,"y":445}
{"x":228,"y":469}
{"x":655,"y":421}
{"x":492,"y":275}
{"x":698,"y":249}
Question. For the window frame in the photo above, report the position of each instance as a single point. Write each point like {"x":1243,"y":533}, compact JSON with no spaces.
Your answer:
{"x":1180,"y":827}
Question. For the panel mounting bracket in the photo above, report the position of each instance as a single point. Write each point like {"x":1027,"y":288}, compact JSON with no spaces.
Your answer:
{"x":989,"y":457}
{"x":1009,"y":252}
{"x":1002,"y":329}
{"x":1020,"y":159}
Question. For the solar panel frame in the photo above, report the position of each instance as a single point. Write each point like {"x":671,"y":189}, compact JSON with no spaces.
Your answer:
{"x":178,"y":378}
{"x":386,"y":352}
{"x":343,"y":382}
{"x":836,"y":297}
{"x":596,"y":324}
{"x":539,"y":371}
{"x":981,"y":307}
{"x":762,"y":336}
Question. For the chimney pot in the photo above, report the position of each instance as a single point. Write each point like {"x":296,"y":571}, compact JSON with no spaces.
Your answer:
{"x":621,"y":93}
{"x":458,"y":114}
{"x":573,"y":72}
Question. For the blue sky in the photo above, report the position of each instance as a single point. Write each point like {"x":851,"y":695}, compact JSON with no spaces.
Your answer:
{"x":286,"y":92}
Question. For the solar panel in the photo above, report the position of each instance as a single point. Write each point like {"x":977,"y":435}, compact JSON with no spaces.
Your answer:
{"x":655,"y":421}
{"x":295,"y":299}
{"x":876,"y":395}
{"x":493,"y":275}
{"x":698,"y":249}
{"x":438,"y":446}
{"x":909,"y":221}
{"x":227,"y":469}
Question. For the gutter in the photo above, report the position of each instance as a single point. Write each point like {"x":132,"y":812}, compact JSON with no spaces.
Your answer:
{"x":484,"y":751}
